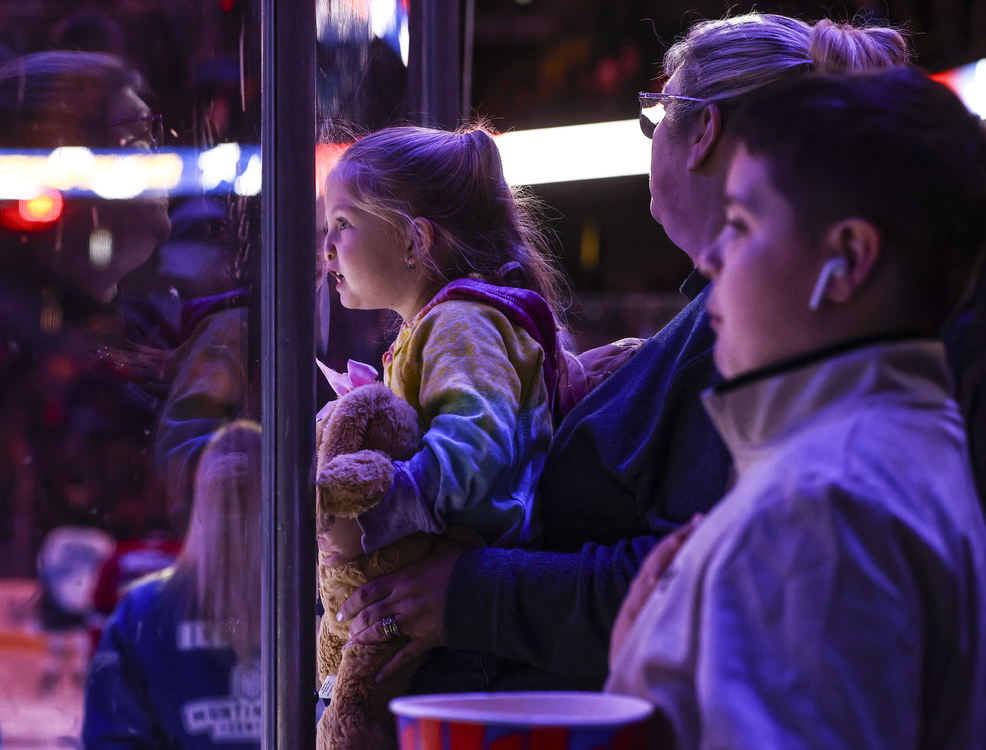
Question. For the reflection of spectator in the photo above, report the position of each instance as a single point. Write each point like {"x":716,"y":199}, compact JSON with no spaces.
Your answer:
{"x":217,"y":87}
{"x":132,"y":559}
{"x":68,"y":565}
{"x":178,"y":665}
{"x":87,"y":31}
{"x":81,"y":370}
{"x":210,"y":388}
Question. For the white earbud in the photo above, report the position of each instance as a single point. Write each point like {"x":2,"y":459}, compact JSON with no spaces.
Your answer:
{"x":834,"y":268}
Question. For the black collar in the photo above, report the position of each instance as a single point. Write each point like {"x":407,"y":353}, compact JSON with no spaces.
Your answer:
{"x":815,"y":355}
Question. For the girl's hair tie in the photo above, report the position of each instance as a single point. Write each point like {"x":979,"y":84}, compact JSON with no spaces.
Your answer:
{"x":509,"y":274}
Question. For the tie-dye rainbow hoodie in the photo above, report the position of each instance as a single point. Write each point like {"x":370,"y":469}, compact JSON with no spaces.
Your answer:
{"x":478,"y":364}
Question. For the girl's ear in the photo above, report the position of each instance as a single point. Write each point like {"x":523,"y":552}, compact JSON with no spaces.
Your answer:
{"x":423,"y":241}
{"x":859,"y":243}
{"x":704,"y":138}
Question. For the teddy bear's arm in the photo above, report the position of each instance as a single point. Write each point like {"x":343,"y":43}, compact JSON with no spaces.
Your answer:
{"x":351,"y":483}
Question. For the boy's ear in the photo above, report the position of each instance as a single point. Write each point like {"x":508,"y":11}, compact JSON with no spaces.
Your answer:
{"x":859,"y":243}
{"x":706,"y":135}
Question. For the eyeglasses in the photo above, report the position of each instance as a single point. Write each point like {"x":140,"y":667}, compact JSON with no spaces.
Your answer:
{"x":652,"y":109}
{"x":148,"y":130}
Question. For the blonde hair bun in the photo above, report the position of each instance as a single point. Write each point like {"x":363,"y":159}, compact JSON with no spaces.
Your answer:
{"x":844,"y":48}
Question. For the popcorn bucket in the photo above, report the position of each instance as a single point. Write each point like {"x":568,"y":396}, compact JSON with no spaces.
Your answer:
{"x":521,"y":721}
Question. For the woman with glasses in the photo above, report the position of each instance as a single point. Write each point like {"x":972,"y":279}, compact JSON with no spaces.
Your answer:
{"x":77,"y":99}
{"x":637,"y":458}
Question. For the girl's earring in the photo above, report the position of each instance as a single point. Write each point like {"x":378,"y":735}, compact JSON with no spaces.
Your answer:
{"x":411,"y":266}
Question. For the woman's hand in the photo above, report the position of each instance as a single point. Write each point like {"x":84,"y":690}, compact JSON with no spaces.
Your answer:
{"x":414,"y":597}
{"x":342,"y":543}
{"x":653,"y":567}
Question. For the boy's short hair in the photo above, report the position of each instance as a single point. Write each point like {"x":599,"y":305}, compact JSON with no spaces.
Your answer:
{"x":895,"y":148}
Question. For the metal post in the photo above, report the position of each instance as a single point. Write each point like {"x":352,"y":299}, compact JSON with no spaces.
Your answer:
{"x":288,"y":380}
{"x":468,"y":44}
{"x":433,"y":63}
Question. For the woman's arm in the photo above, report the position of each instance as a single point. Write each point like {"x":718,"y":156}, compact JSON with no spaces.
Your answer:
{"x":414,"y":596}
{"x":552,"y":610}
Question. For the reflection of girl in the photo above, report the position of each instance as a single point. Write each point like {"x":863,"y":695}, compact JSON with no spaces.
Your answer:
{"x":835,"y":596}
{"x":178,"y":664}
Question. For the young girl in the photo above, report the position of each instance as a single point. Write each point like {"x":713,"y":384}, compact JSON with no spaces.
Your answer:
{"x":178,"y":665}
{"x":421,"y":222}
{"x":835,"y":596}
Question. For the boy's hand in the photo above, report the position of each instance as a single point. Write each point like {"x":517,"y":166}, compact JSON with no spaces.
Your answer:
{"x":341,"y":543}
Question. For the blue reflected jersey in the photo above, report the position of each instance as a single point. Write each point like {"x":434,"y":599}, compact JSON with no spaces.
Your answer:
{"x":162,"y":679}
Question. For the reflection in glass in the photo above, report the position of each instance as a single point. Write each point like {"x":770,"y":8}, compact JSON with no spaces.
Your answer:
{"x":127,"y":286}
{"x":193,"y":679}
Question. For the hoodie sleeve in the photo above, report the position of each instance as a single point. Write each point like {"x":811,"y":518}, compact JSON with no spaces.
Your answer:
{"x":552,"y":610}
{"x":476,"y":380}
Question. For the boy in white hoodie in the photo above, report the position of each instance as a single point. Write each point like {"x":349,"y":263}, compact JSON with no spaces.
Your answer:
{"x":836,"y":597}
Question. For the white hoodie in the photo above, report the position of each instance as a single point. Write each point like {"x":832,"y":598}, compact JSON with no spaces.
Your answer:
{"x":836,"y":597}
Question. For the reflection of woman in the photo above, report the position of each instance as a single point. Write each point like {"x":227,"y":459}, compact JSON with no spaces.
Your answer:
{"x":638,"y":456}
{"x":68,"y":399}
{"x":178,"y":665}
{"x":53,"y":99}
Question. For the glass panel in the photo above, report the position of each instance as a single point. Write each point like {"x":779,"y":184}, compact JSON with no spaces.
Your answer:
{"x":129,"y":368}
{"x":361,"y":86}
{"x":361,"y":81}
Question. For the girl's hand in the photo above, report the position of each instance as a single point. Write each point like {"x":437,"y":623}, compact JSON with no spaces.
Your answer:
{"x":342,"y":543}
{"x":653,"y":567}
{"x":414,"y":597}
{"x":579,"y":375}
{"x":601,"y":362}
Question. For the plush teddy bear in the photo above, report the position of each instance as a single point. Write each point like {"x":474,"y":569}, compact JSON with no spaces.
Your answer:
{"x":357,"y":440}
